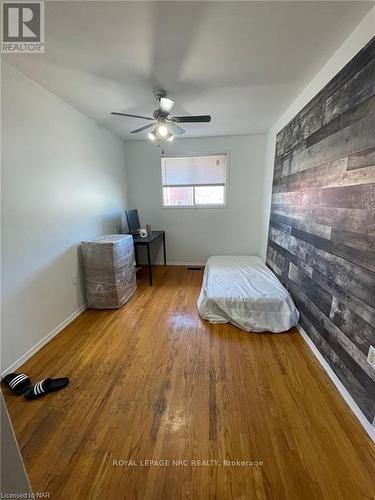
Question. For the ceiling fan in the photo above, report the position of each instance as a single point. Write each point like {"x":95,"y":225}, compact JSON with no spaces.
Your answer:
{"x":164,"y":125}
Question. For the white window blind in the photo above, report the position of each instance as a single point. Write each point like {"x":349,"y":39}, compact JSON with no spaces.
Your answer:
{"x":194,"y":181}
{"x":194,"y":170}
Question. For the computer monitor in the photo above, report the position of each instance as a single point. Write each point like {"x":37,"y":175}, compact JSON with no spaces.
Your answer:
{"x":133,"y":221}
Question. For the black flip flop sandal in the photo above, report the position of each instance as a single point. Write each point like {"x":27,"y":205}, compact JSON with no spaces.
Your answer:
{"x":46,"y":386}
{"x":17,"y":382}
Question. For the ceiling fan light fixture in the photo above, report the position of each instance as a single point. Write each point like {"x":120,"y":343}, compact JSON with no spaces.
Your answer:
{"x":162,"y":130}
{"x":166,"y":104}
{"x":152,"y":135}
{"x":164,"y":126}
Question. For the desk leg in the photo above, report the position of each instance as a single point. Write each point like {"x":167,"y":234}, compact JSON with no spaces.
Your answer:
{"x":164,"y":250}
{"x":136,"y":256}
{"x":149,"y":264}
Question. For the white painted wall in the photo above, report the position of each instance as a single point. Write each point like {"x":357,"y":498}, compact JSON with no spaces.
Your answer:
{"x":352,"y":45}
{"x":63,"y":180}
{"x":195,"y":234}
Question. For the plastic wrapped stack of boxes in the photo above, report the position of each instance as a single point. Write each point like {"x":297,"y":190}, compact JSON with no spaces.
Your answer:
{"x":109,"y":267}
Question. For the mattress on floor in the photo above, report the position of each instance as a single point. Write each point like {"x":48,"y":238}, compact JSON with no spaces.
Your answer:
{"x":242,"y":290}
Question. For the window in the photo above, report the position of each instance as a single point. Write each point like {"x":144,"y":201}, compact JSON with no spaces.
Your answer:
{"x":194,"y":181}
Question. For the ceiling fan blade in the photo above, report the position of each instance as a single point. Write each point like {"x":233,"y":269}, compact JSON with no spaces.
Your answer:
{"x":192,"y":119}
{"x":174,"y":128}
{"x":132,"y":116}
{"x":166,"y":104}
{"x":142,"y":128}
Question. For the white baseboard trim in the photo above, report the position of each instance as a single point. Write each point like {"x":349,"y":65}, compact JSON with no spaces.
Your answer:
{"x":340,"y":387}
{"x":21,"y":360}
{"x":160,"y":263}
{"x":186,"y":263}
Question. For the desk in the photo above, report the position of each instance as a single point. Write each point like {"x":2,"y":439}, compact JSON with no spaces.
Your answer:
{"x":138,"y":241}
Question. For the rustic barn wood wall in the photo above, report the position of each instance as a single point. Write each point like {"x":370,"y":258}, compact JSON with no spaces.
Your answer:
{"x":321,"y":240}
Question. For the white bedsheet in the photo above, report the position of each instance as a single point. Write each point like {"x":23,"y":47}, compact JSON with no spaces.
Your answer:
{"x":242,"y":290}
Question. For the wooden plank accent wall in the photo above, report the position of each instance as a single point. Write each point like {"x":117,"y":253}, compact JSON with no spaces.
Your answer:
{"x":321,"y":240}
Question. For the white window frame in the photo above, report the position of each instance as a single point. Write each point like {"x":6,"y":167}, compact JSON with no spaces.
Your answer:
{"x":195,"y":207}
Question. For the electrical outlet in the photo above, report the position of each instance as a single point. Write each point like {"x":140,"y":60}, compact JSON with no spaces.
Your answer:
{"x":371,"y":356}
{"x":74,"y":280}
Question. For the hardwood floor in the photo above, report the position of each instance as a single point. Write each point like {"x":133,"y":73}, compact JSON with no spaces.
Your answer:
{"x":152,"y":381}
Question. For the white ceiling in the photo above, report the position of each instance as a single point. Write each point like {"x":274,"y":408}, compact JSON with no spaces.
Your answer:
{"x":241,"y":62}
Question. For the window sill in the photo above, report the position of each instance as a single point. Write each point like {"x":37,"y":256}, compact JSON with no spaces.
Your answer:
{"x":193,"y":207}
